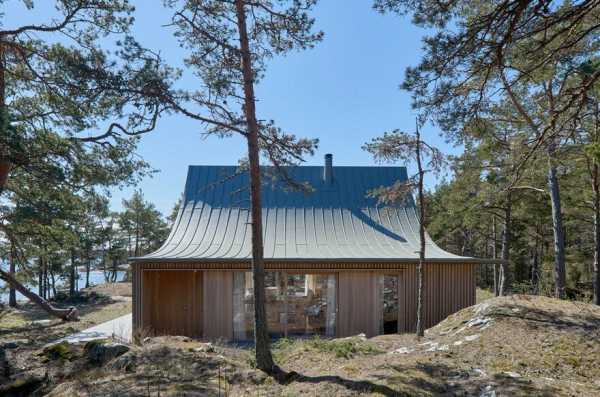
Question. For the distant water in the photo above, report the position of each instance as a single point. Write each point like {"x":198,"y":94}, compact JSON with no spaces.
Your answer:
{"x":96,"y":277}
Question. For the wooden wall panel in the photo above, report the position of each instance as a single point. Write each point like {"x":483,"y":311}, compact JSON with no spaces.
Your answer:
{"x":171,"y":303}
{"x":359,"y":305}
{"x":448,"y":289}
{"x":218,"y":305}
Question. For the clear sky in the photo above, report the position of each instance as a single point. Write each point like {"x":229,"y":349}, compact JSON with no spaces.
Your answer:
{"x":344,"y":92}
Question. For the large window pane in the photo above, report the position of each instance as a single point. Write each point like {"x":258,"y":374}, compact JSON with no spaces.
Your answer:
{"x":296,"y":304}
{"x":311,"y":304}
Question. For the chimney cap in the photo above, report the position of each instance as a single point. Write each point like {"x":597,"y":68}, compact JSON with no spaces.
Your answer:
{"x":328,"y":169}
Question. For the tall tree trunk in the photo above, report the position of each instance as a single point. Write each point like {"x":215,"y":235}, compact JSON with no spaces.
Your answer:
{"x":115,"y":269}
{"x":40,"y":278}
{"x":264,"y":359}
{"x":12,"y":293}
{"x":69,"y":314}
{"x":596,"y":189}
{"x":535,"y":266}
{"x":506,"y":241}
{"x":495,"y":255}
{"x":5,"y":163}
{"x":72,"y":275}
{"x":45,"y":279}
{"x":557,"y":226}
{"x":52,"y":283}
{"x":420,"y":270}
{"x":88,"y":265}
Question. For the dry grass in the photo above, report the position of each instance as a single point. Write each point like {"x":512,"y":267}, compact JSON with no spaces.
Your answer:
{"x":517,"y":346}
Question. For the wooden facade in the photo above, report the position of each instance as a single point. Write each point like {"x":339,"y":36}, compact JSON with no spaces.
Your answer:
{"x":196,"y":299}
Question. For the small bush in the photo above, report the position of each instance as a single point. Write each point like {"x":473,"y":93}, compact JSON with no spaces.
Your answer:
{"x":344,"y":348}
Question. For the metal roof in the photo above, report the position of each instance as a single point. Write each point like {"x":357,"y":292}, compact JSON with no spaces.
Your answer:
{"x":334,"y":222}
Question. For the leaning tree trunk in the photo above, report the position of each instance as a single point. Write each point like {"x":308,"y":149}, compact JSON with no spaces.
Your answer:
{"x":506,"y":241}
{"x":264,"y":359}
{"x":596,"y":189}
{"x":557,"y":226}
{"x":69,"y":314}
{"x":420,"y":270}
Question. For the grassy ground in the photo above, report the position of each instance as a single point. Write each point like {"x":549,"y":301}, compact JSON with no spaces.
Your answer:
{"x":511,"y":346}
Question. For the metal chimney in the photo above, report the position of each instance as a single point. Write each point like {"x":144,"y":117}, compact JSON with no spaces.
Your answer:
{"x":328,"y":169}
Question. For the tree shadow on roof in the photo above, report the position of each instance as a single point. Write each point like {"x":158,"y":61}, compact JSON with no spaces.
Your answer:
{"x":367,"y":220}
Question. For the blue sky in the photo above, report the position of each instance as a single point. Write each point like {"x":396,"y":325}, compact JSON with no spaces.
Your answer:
{"x":344,"y":92}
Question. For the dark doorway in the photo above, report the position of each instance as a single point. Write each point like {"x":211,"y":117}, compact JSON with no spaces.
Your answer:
{"x":390,"y":304}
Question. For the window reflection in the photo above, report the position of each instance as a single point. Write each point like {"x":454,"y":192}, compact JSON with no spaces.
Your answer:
{"x":296,"y":304}
{"x":390,"y":304}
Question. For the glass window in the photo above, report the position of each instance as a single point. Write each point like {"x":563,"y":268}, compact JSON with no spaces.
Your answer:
{"x":311,"y":304}
{"x":390,"y":304}
{"x":296,"y":304}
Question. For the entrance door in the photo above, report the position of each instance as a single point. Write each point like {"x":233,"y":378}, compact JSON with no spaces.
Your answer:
{"x":172,"y":302}
{"x":390,"y":304}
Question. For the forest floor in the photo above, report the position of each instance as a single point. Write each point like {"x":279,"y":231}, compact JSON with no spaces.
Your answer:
{"x":513,"y":346}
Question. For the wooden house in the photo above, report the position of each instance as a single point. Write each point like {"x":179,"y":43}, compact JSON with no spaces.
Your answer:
{"x":337,"y":263}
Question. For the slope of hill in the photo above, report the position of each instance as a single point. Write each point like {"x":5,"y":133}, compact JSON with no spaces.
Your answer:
{"x":512,"y":346}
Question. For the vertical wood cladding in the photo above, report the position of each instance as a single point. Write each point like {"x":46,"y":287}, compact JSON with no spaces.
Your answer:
{"x":448,"y":288}
{"x":170,"y":298}
{"x":218,"y":305}
{"x":172,"y":302}
{"x":359,"y":306}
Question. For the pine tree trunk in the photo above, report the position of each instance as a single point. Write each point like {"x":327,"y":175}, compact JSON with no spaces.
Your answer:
{"x":557,"y":227}
{"x":420,"y":270}
{"x":72,"y":275}
{"x":505,"y":253}
{"x":88,"y":265}
{"x":596,"y":189}
{"x":5,"y":163}
{"x":495,"y":255}
{"x":53,"y":283}
{"x":264,"y":360}
{"x":40,"y":278}
{"x":12,"y":293}
{"x":69,"y":314}
{"x":535,"y":267}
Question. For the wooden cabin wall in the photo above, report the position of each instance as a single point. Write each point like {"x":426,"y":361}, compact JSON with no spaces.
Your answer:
{"x":171,"y":302}
{"x":448,"y":289}
{"x":208,"y":295}
{"x":218,"y":304}
{"x":359,"y":306}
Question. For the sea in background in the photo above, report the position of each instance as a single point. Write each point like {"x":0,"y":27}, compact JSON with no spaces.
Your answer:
{"x":96,"y":277}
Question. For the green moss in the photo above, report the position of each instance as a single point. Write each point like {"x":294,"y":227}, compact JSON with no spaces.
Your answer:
{"x":59,"y":351}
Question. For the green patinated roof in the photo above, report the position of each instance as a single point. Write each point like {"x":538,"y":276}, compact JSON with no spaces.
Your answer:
{"x":337,"y":221}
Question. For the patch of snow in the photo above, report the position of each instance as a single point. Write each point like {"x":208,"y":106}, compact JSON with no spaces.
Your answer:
{"x":443,"y":348}
{"x":512,"y":374}
{"x":479,"y":372}
{"x":488,"y":392}
{"x":433,"y":347}
{"x":402,"y":350}
{"x":516,"y":310}
{"x":471,"y":338}
{"x":41,"y":322}
{"x":477,"y":321}
{"x":458,"y":343}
